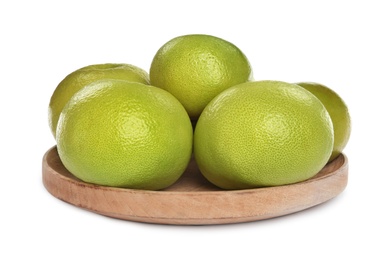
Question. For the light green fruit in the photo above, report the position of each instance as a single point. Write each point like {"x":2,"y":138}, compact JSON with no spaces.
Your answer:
{"x":125,"y":134}
{"x":262,"y":133}
{"x":195,"y":68}
{"x":82,"y":77}
{"x":338,"y":111}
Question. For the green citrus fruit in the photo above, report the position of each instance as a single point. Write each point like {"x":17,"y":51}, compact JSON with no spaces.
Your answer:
{"x":338,"y":111}
{"x":125,"y":134}
{"x":83,"y":76}
{"x":262,"y":133}
{"x":195,"y":68}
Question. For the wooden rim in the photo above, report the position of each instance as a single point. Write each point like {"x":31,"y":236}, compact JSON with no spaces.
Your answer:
{"x":192,"y":200}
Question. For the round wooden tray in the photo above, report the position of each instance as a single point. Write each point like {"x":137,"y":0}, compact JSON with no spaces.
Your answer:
{"x":192,"y":200}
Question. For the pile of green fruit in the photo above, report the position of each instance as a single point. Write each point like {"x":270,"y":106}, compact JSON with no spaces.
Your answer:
{"x":117,"y":125}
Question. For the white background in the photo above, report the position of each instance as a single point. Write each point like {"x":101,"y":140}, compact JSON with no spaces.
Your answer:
{"x":342,"y":44}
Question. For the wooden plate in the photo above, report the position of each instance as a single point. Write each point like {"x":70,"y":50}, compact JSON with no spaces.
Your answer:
{"x":192,"y":200}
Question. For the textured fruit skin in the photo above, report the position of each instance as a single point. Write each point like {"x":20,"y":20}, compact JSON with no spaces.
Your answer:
{"x":262,"y":133}
{"x":125,"y":134}
{"x":338,"y":111}
{"x":82,"y":77}
{"x":195,"y":68}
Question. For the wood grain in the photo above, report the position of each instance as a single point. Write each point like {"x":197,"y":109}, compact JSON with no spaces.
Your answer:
{"x":192,"y":200}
